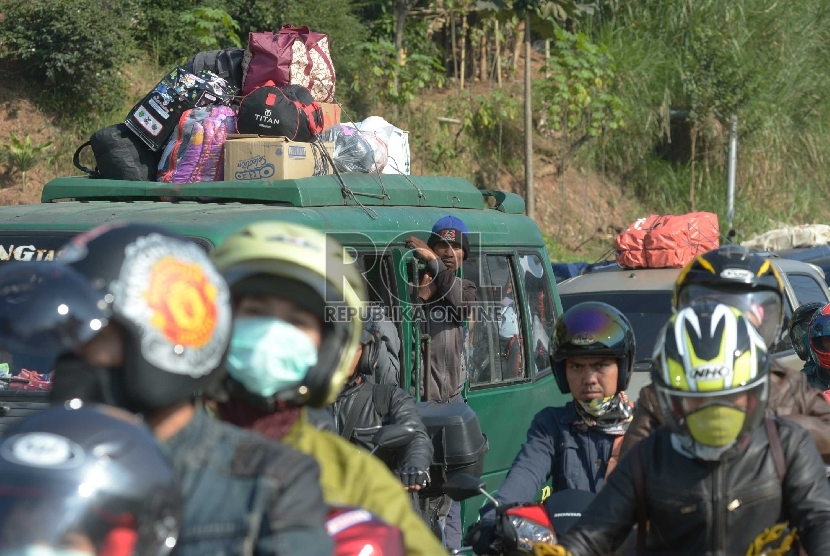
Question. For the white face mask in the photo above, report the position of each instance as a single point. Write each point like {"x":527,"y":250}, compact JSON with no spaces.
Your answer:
{"x":268,"y":355}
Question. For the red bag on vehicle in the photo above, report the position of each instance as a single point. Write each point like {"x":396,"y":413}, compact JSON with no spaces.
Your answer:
{"x":667,"y":241}
{"x":679,"y":239}
{"x":294,"y":56}
{"x":629,"y":243}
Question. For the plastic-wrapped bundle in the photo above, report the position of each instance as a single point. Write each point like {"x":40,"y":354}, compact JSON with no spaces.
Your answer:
{"x":352,"y":152}
{"x":378,"y":140}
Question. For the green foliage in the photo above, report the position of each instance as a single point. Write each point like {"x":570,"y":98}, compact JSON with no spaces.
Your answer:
{"x":714,"y":81}
{"x":75,"y":48}
{"x":482,"y":114}
{"x":390,"y":82}
{"x":22,"y":155}
{"x":209,"y":25}
{"x":769,"y":61}
{"x":579,"y":93}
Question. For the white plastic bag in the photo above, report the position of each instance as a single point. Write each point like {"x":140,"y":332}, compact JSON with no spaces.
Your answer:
{"x":396,"y":141}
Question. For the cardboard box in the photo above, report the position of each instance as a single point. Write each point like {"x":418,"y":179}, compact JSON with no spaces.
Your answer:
{"x":252,"y":157}
{"x":331,"y":114}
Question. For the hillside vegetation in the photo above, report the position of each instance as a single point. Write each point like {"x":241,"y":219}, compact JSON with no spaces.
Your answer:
{"x":631,"y":99}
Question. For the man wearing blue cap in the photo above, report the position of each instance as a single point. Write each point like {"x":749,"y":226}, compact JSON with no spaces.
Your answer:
{"x":446,"y":299}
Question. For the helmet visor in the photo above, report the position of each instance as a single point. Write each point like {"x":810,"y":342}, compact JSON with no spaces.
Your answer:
{"x":590,"y":330}
{"x":62,"y":520}
{"x":819,"y":334}
{"x":762,"y":307}
{"x":47,"y":309}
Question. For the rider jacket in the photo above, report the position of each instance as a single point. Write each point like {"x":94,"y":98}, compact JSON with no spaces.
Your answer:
{"x":379,"y":405}
{"x":816,"y":376}
{"x":351,"y":478}
{"x":555,"y":449}
{"x":699,"y":507}
{"x":790,"y":397}
{"x":444,"y":316}
{"x":245,"y":494}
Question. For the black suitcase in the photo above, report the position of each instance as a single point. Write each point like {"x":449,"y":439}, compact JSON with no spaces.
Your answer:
{"x":458,"y":443}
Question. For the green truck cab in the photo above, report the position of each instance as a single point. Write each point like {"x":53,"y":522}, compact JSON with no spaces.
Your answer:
{"x":371,"y":216}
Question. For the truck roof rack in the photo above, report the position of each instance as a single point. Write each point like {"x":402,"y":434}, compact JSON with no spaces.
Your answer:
{"x":321,"y":191}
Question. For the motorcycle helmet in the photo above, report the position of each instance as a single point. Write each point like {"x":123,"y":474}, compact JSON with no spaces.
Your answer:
{"x":740,"y":278}
{"x":308,"y":267}
{"x":711,"y":377}
{"x":86,"y":481}
{"x":170,"y":304}
{"x":592,"y":329}
{"x":819,"y":330}
{"x":46,"y":309}
{"x":799,"y":328}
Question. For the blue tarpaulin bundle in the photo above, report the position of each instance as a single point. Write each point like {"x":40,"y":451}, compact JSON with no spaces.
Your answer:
{"x":563,"y":271}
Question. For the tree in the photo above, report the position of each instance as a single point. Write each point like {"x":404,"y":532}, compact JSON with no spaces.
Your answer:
{"x":550,"y":10}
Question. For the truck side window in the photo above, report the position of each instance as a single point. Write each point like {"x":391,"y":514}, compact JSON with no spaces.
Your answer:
{"x":806,"y":288}
{"x":495,"y":330}
{"x":540,"y":302}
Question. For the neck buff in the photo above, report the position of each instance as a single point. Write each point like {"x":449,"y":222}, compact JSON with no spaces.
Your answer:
{"x":271,"y":425}
{"x":607,"y":415}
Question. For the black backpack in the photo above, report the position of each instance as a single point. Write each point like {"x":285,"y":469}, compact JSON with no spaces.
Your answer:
{"x":227,"y":64}
{"x":119,"y":155}
{"x":288,"y":111}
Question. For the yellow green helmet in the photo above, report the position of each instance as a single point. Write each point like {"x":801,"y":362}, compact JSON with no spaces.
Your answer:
{"x":308,"y":267}
{"x":711,"y":377}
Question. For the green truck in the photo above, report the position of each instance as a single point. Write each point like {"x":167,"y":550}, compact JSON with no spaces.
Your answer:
{"x":372,"y":216}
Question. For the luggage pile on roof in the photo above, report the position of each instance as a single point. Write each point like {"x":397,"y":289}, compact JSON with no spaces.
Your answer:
{"x":790,"y":237}
{"x":667,"y":241}
{"x":264,"y":112}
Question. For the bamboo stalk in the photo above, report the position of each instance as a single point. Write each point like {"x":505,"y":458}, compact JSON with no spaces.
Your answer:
{"x":463,"y":47}
{"x":454,"y":46}
{"x":547,"y":58}
{"x":518,"y":35}
{"x":483,"y":49}
{"x":498,"y":55}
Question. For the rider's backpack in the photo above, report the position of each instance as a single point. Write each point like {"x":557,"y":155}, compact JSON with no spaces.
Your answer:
{"x":227,"y":64}
{"x":119,"y":155}
{"x":281,"y":112}
{"x":196,"y":151}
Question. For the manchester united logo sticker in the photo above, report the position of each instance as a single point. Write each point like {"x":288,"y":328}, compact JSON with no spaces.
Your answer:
{"x":176,"y":297}
{"x":183,"y":302}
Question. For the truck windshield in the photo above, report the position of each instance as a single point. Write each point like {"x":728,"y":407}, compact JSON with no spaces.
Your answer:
{"x":647,"y":311}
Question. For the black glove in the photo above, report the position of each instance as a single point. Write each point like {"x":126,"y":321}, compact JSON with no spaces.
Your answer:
{"x":480,"y":536}
{"x":412,"y":476}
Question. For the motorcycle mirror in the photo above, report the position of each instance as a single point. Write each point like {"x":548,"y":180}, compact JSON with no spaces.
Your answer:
{"x":393,"y":436}
{"x":644,"y":366}
{"x":462,"y":486}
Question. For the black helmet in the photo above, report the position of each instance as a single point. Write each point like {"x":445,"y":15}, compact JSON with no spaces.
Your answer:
{"x":800,"y":328}
{"x":46,"y":309}
{"x":86,"y":479}
{"x":592,"y":329}
{"x":171,"y":302}
{"x":738,"y":277}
